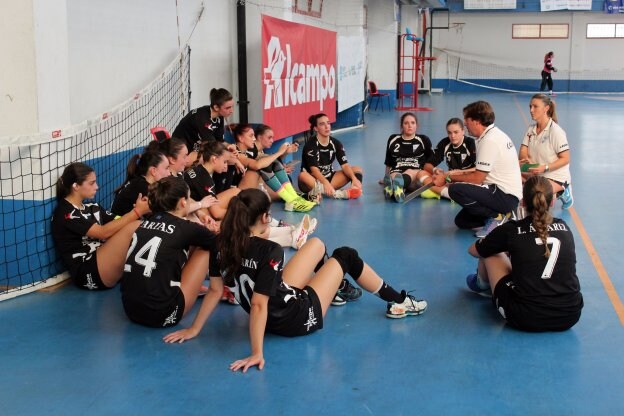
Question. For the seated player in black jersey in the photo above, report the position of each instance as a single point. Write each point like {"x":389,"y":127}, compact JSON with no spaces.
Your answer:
{"x":200,"y":178}
{"x":285,"y":299}
{"x":177,"y":154}
{"x":142,"y":170}
{"x":264,"y":141}
{"x":406,"y":155}
{"x":458,"y":151}
{"x":531,"y":266}
{"x":317,"y":166}
{"x":207,"y":124}
{"x":92,"y":245}
{"x":168,"y":260}
{"x":268,"y":169}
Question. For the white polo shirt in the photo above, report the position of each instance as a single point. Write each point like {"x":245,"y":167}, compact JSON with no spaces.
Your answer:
{"x":497,"y":155}
{"x":545,"y":147}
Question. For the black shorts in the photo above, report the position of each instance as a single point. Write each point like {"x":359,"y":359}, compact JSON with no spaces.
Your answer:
{"x":305,"y":318}
{"x":86,"y":275}
{"x":167,"y":315}
{"x":528,"y":317}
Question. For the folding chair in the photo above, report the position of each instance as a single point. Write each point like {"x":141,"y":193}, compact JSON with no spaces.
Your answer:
{"x":373,"y":92}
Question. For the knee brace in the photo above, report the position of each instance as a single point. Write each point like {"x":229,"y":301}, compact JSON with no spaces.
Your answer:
{"x":349,"y":261}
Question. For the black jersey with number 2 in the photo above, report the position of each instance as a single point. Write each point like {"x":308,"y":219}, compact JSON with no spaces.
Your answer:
{"x":543,"y":282}
{"x":403,"y":154}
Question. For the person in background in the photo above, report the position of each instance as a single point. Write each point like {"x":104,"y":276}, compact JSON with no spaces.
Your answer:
{"x":547,"y":72}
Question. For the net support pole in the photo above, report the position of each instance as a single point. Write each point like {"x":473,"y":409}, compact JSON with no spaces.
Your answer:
{"x":241,"y":34}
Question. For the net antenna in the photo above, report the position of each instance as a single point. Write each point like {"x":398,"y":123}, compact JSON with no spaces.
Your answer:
{"x":30,"y":167}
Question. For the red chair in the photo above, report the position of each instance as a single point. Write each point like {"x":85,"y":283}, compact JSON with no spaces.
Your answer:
{"x":373,"y":92}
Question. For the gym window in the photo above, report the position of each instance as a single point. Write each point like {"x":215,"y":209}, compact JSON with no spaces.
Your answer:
{"x":540,"y":31}
{"x":605,"y":30}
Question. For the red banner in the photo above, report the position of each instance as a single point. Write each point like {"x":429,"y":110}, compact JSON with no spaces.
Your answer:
{"x":298,"y":74}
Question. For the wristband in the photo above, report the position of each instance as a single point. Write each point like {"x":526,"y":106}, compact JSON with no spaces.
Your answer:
{"x":137,"y":213}
{"x":546,"y":168}
{"x":448,"y":179}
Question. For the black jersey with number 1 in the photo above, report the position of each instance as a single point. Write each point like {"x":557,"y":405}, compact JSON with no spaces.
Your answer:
{"x":157,"y":253}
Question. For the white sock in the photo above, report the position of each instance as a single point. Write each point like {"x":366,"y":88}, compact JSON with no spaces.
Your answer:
{"x":281,"y":236}
{"x":445,"y":193}
{"x":482,"y":283}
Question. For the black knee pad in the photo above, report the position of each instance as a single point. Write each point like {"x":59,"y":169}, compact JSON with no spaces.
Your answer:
{"x":349,"y":260}
{"x":407,"y":180}
{"x":359,"y":176}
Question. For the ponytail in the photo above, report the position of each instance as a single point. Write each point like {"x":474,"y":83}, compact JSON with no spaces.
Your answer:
{"x":140,"y":164}
{"x":74,"y":173}
{"x":537,"y":195}
{"x":242,"y":213}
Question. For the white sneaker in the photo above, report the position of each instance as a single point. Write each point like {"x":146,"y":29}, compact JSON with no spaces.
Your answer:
{"x":316,"y":194}
{"x":409,"y":307}
{"x":300,"y":233}
{"x":313,"y":224}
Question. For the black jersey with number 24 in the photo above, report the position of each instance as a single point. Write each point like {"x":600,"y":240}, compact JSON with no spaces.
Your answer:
{"x":157,"y":253}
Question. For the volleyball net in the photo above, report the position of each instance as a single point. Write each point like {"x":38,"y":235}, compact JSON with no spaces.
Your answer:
{"x":472,"y":73}
{"x":30,"y":167}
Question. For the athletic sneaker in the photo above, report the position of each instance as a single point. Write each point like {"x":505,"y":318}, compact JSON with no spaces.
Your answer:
{"x":490,"y":224}
{"x":300,"y":232}
{"x":299,"y":205}
{"x":398,"y":188}
{"x":429,"y":194}
{"x":478,"y":286}
{"x":351,"y":193}
{"x":567,"y":198}
{"x":409,"y":307}
{"x":388,"y":186}
{"x":316,"y":194}
{"x":346,"y":293}
{"x":228,"y":296}
{"x":313,"y":224}
{"x":338,"y":301}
